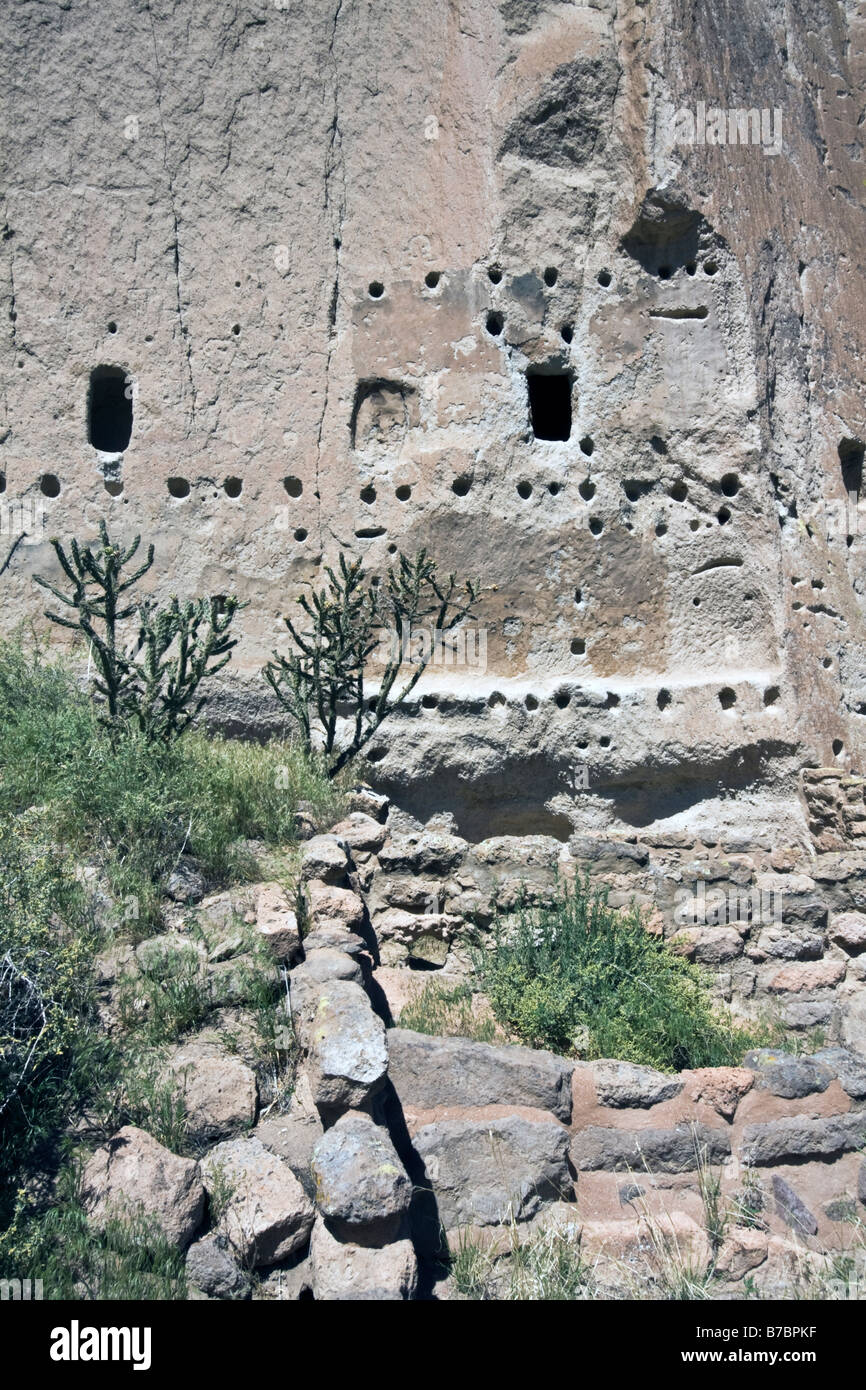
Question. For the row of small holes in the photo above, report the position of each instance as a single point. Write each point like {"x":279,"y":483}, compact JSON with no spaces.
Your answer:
{"x":562,"y":699}
{"x":376,"y":288}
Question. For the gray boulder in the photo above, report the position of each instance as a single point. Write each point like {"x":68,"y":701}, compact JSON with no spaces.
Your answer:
{"x":794,"y":1077}
{"x":430,"y":1071}
{"x":211,"y":1269}
{"x":792,"y":1209}
{"x":362,"y":1187}
{"x":848,"y":1067}
{"x":486,"y":1172}
{"x":218,"y":1090}
{"x":345,"y":1272}
{"x":325,"y":857}
{"x":678,"y":1150}
{"x":800,"y":1137}
{"x":327,"y":963}
{"x":622,"y":1085}
{"x":262,"y":1210}
{"x":133,"y":1174}
{"x":345,"y":1043}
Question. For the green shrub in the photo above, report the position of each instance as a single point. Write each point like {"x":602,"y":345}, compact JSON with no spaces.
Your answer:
{"x":136,"y":805}
{"x":129,"y":1260}
{"x":52,"y":1052}
{"x":581,"y":977}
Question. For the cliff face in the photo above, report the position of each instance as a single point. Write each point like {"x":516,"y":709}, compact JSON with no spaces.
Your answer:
{"x":352,"y":265}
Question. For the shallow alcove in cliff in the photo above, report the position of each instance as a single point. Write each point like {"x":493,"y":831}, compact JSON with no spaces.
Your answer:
{"x":666,"y":235}
{"x":109,"y":410}
{"x":550,"y":403}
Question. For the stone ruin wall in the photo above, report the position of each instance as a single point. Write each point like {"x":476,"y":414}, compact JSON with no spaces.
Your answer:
{"x":324,"y":244}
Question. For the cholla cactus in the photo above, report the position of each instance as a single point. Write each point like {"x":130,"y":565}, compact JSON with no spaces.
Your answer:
{"x":98,"y":586}
{"x":199,"y":632}
{"x":326,"y":675}
{"x":154,"y":686}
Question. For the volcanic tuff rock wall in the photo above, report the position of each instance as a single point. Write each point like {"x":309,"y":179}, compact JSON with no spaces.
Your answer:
{"x":321,"y":246}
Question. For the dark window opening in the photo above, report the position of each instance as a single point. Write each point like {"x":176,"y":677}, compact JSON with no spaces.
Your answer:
{"x":109,"y":410}
{"x":851,"y":452}
{"x":550,"y":404}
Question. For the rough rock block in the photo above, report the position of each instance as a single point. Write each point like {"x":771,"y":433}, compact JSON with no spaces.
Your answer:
{"x":362,"y":1188}
{"x":134,"y":1173}
{"x":491,"y":1171}
{"x":431,"y":1071}
{"x":264,"y":1213}
{"x":678,"y":1150}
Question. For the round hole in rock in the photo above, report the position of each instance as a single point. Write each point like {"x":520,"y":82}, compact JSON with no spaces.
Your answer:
{"x":694,"y":524}
{"x":838,"y":747}
{"x":294,"y":487}
{"x":612,"y":700}
{"x":817,"y":583}
{"x":112,"y":327}
{"x":233,"y":487}
{"x":826,"y":662}
{"x":566,"y":332}
{"x":691,"y":268}
{"x":578,"y":595}
{"x":494,"y":274}
{"x":551,"y":275}
{"x":696,"y":602}
{"x":582,"y":743}
{"x":461,"y":485}
{"x":723,"y":516}
{"x":710,"y":268}
{"x":727,"y":698}
{"x":178,"y":487}
{"x":376,"y":755}
{"x":113,"y":486}
{"x":375,"y":289}
{"x":495,"y":698}
{"x":679,"y":492}
{"x":494,"y":323}
{"x":657,"y":444}
{"x":403,"y":493}
{"x":663,"y":699}
{"x":604,"y":741}
{"x":531,"y":702}
{"x":632,"y":491}
{"x":554,"y":488}
{"x":432,"y":278}
{"x":563,"y":699}
{"x":587,"y":489}
{"x":524,"y":490}
{"x":578,"y":646}
{"x":604,"y":278}
{"x":596,"y":525}
{"x":661,"y":529}
{"x":730,"y":484}
{"x":368,"y":494}
{"x":236,"y":328}
{"x":771,"y":695}
{"x":392,"y":549}
{"x":301,"y":533}
{"x":664,"y":272}
{"x":49,"y":485}
{"x":429,"y":702}
{"x":586,"y":445}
